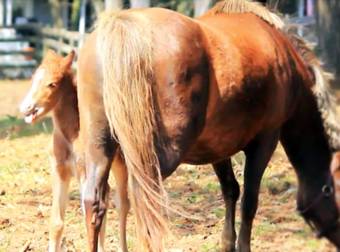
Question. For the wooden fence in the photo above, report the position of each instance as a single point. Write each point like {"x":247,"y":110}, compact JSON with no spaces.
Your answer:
{"x":63,"y":41}
{"x":39,"y":40}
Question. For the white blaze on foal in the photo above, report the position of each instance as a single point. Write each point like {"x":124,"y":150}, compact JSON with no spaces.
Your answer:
{"x":29,"y":107}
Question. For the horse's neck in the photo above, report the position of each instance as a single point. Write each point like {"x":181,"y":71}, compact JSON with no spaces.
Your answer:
{"x":65,"y":113}
{"x":304,"y":140}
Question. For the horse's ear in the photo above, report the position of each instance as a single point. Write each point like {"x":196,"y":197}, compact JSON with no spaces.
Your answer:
{"x":68,"y":59}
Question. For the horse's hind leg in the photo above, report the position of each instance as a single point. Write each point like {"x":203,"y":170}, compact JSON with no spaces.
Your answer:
{"x":61,"y":175}
{"x":231,"y":191}
{"x":121,"y":178}
{"x":258,"y":154}
{"x":81,"y":179}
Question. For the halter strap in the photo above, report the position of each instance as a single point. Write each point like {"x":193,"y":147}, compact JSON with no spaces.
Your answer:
{"x":326,"y":192}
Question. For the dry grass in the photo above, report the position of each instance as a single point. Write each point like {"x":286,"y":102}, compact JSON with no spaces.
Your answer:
{"x":25,"y":198}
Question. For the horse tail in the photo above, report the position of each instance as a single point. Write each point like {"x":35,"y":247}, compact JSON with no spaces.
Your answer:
{"x":124,"y":46}
{"x":326,"y":101}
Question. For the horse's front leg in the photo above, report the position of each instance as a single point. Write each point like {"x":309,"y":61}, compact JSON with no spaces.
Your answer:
{"x":61,"y":174}
{"x":258,"y":153}
{"x":231,"y":191}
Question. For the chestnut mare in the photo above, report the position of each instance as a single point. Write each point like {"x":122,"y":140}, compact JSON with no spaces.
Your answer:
{"x":168,"y":89}
{"x":54,"y":89}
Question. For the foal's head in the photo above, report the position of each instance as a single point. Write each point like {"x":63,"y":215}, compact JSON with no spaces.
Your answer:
{"x":47,"y":83}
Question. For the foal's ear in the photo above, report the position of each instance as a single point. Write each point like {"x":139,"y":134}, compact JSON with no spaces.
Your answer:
{"x":68,"y":59}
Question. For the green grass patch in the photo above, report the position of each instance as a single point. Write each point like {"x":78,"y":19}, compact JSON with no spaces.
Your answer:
{"x":263,"y":228}
{"x":219,"y":212}
{"x":212,"y":187}
{"x":13,"y":127}
{"x":209,"y":247}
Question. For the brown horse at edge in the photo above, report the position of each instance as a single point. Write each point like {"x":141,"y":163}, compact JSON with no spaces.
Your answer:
{"x":168,"y":89}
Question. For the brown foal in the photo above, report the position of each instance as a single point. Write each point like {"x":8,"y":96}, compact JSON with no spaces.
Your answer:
{"x":54,"y":89}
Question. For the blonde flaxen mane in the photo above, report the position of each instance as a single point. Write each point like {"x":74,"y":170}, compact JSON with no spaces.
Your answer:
{"x":243,"y":6}
{"x":327,"y":107}
{"x":326,"y":101}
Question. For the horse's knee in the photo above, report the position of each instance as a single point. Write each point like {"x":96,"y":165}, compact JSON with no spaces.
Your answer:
{"x":56,"y":227}
{"x":95,"y":204}
{"x":235,"y":191}
{"x":55,"y":233}
{"x":121,"y":201}
{"x":249,"y":208}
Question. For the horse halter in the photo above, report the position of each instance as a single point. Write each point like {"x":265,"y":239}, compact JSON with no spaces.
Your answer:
{"x":327,"y":191}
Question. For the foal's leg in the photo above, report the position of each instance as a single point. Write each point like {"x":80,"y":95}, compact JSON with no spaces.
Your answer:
{"x":121,"y":178}
{"x":231,"y":191}
{"x":258,"y":154}
{"x":61,"y":175}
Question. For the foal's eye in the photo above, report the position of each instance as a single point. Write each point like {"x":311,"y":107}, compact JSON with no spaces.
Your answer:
{"x":52,"y":85}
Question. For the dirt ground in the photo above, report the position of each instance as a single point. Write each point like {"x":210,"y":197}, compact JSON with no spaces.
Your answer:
{"x":25,"y":199}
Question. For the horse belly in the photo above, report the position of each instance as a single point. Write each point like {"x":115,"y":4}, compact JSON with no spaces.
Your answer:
{"x":231,"y":128}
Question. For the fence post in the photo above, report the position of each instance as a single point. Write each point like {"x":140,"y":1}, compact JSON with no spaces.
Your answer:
{"x":2,"y":12}
{"x":82,"y":22}
{"x":301,"y":10}
{"x":9,"y":14}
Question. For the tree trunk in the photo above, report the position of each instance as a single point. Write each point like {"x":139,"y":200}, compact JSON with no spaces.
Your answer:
{"x":201,"y":6}
{"x":328,"y":23}
{"x":9,"y":12}
{"x":56,"y":13}
{"x":140,"y":3}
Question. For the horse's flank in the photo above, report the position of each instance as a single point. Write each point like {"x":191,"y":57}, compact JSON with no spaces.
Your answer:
{"x":321,"y":87}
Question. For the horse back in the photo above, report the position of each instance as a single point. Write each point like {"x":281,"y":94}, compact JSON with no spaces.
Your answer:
{"x":255,"y":77}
